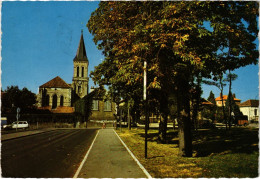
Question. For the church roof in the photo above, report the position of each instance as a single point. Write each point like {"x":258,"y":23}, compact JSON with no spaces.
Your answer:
{"x":81,"y":52}
{"x":56,"y":82}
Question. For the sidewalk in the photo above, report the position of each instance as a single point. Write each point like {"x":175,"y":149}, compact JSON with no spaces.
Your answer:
{"x":108,"y":158}
{"x":24,"y":133}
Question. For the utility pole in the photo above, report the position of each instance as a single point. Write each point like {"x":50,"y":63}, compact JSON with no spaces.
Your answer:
{"x":128,"y":117}
{"x":17,"y":117}
{"x":145,"y":103}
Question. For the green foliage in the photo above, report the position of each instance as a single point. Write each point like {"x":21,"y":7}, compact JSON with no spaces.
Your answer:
{"x":13,"y":97}
{"x":234,"y":107}
{"x":211,"y":98}
{"x":172,"y":38}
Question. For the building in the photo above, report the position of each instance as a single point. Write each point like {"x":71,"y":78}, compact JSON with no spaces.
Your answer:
{"x":250,"y":108}
{"x":58,"y":96}
{"x":225,"y":97}
{"x":55,"y":95}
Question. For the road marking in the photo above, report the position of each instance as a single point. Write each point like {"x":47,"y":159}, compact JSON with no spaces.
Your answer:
{"x":136,"y":160}
{"x":85,"y":158}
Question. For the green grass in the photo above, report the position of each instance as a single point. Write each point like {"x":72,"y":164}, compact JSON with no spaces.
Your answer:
{"x":216,"y":153}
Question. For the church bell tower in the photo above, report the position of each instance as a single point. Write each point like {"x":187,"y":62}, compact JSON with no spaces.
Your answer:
{"x":80,"y":72}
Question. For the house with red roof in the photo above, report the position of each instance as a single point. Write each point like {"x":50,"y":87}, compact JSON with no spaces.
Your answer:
{"x":250,"y":108}
{"x":225,"y":97}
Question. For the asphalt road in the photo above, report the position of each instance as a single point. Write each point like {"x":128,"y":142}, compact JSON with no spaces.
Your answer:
{"x":54,"y":154}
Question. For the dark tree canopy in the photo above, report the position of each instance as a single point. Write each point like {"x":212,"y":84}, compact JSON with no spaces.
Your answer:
{"x":13,"y":97}
{"x":172,"y":37}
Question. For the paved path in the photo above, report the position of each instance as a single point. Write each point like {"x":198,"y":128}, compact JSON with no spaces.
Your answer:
{"x":108,"y":158}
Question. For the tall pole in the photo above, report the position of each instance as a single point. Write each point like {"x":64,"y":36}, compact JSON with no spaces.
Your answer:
{"x":128,"y":117}
{"x":17,"y":117}
{"x":145,"y":102}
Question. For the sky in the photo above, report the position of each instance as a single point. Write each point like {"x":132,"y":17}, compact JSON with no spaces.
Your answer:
{"x":39,"y":41}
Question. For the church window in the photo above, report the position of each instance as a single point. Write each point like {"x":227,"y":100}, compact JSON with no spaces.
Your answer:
{"x":54,"y":101}
{"x":82,"y":72}
{"x":77,"y":71}
{"x":95,"y":105}
{"x":61,"y":100}
{"x":107,"y":106}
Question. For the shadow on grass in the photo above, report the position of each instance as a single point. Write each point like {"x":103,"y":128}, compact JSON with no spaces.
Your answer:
{"x":216,"y":141}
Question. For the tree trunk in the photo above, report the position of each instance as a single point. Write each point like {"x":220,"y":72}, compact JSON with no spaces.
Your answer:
{"x":222,"y":100}
{"x":163,"y":130}
{"x":185,"y":136}
{"x":184,"y":121}
{"x":229,"y":108}
{"x":128,"y":119}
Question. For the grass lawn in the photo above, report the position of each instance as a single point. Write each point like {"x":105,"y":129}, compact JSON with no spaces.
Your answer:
{"x":216,"y":153}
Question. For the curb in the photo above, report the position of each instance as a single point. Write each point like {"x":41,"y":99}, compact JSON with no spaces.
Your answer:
{"x":85,"y":158}
{"x":136,"y":160}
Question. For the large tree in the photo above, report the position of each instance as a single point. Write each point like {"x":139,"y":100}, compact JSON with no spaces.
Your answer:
{"x":13,"y":97}
{"x":174,"y":40}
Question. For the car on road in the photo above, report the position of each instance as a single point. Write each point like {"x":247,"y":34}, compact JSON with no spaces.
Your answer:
{"x":19,"y":125}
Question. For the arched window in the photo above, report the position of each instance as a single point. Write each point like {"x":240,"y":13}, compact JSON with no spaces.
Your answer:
{"x":79,"y":89}
{"x":82,"y":71}
{"x":61,"y":100}
{"x":54,"y":101}
{"x":77,"y":71}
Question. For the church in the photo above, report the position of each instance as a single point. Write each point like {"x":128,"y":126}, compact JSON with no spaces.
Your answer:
{"x":58,"y":96}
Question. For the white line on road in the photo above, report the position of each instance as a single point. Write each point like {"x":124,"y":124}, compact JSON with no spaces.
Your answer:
{"x":85,"y":158}
{"x":138,"y":163}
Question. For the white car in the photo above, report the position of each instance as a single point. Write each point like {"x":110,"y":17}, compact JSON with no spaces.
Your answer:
{"x":21,"y":124}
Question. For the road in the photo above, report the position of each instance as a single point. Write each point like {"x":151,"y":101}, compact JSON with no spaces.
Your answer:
{"x":53,"y":154}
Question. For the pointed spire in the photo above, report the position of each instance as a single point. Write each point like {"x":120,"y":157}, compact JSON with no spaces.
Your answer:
{"x":81,"y":52}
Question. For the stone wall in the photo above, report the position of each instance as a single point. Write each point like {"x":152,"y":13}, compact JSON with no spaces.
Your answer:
{"x":101,"y":114}
{"x":65,"y":92}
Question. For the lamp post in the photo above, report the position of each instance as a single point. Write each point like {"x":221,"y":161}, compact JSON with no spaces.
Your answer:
{"x":145,"y":103}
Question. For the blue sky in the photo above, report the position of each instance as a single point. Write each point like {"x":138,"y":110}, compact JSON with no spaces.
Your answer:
{"x":40,"y":40}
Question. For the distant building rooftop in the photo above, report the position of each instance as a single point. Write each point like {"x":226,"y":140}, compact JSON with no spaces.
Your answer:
{"x":250,"y":103}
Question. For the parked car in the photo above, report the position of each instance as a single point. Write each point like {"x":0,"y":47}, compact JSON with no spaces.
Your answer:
{"x":14,"y":125}
{"x":21,"y":124}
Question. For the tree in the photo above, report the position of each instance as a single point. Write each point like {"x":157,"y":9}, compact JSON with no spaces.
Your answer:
{"x":230,"y":77}
{"x":211,"y":109}
{"x":211,"y":98}
{"x":13,"y":97}
{"x":230,"y":107}
{"x":173,"y":39}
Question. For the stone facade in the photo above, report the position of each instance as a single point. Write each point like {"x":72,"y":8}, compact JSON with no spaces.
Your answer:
{"x":80,"y":78}
{"x":103,"y":111}
{"x":63,"y":96}
{"x":54,"y":93}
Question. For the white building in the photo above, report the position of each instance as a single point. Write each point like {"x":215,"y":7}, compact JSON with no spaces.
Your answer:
{"x":250,"y":108}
